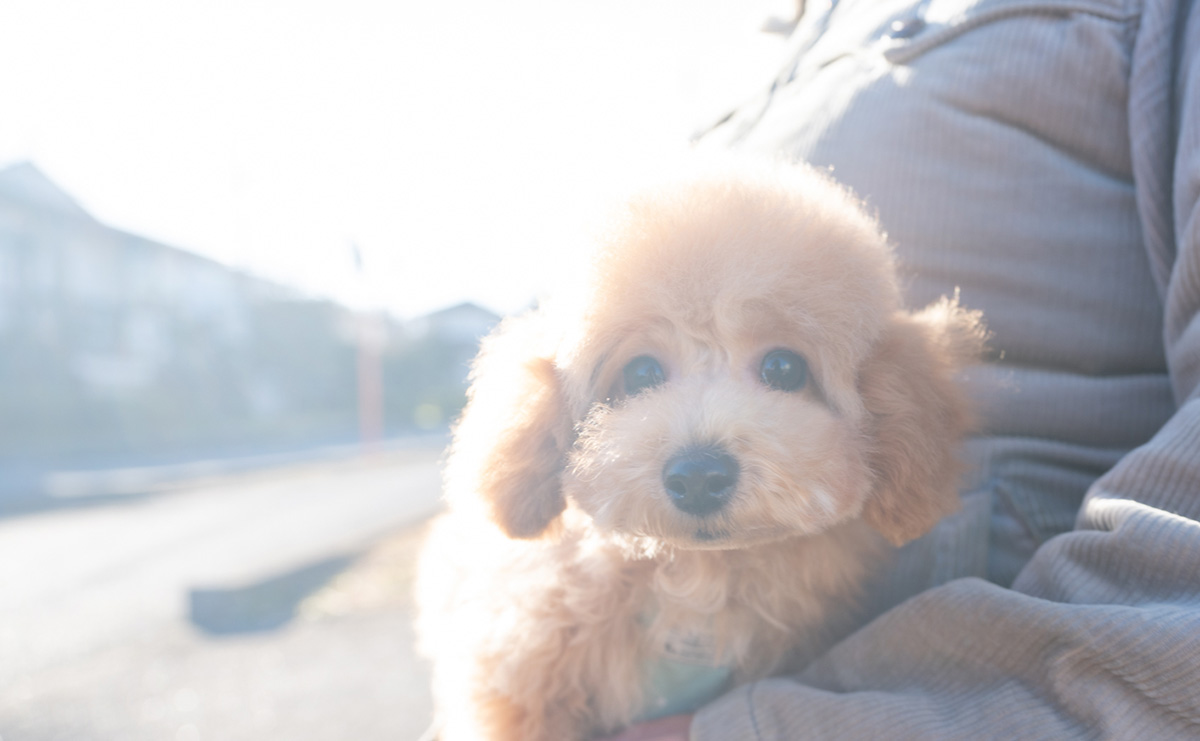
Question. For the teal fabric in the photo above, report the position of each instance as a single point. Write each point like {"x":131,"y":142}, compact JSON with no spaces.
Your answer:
{"x":673,"y":686}
{"x":682,"y":673}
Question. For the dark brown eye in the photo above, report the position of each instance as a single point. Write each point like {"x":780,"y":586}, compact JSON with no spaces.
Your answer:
{"x":641,"y":373}
{"x":784,"y":370}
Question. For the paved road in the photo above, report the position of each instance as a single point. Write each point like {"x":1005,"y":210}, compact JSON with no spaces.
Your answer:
{"x":170,"y":615}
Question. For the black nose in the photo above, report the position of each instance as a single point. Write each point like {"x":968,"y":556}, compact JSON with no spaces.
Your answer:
{"x":700,"y":480}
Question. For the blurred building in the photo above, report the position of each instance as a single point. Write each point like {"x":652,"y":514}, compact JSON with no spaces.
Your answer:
{"x":460,"y":328}
{"x":427,"y":377}
{"x":112,"y":303}
{"x":114,"y":344}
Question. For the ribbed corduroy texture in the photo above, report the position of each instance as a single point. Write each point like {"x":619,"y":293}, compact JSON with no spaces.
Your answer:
{"x":1043,"y":157}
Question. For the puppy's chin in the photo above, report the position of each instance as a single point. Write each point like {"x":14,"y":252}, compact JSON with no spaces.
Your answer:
{"x":715,"y":534}
{"x":708,"y":537}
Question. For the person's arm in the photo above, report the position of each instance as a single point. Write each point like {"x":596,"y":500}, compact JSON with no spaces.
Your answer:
{"x":1100,"y":633}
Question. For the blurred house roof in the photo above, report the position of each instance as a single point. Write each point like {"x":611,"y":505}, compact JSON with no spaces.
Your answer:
{"x":42,"y":206}
{"x":465,"y":311}
{"x":465,"y":322}
{"x":25,"y":183}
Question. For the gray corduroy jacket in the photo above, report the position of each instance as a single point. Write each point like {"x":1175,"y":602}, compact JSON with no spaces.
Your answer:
{"x":1042,"y":156}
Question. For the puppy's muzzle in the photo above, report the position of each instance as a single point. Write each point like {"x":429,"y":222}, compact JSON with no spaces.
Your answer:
{"x":701,"y":480}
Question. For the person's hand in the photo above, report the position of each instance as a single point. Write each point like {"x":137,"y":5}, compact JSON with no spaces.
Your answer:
{"x":671,"y":728}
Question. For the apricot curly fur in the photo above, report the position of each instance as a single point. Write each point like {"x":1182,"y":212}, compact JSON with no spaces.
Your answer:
{"x":563,"y":561}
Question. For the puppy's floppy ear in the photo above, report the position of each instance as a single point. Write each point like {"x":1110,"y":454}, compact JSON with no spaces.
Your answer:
{"x":918,"y":417}
{"x":509,"y":445}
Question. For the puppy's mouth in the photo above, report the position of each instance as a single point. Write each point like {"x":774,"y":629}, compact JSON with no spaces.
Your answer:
{"x":729,"y":536}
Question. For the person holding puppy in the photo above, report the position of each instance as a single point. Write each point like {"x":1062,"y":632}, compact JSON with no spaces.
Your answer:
{"x":1041,"y":157}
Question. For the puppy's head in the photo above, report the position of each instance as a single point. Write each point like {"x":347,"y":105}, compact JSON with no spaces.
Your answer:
{"x":738,"y":371}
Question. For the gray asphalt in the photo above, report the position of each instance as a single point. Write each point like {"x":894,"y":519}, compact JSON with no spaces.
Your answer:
{"x":176,"y":614}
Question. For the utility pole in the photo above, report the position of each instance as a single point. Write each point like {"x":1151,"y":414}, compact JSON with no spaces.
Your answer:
{"x":370,"y":332}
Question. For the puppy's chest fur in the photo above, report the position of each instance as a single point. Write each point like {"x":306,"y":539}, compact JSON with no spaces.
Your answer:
{"x":717,"y":618}
{"x":612,"y":633}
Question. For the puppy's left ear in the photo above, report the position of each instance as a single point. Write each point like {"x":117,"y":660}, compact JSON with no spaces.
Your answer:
{"x":919,"y":416}
{"x":509,"y":445}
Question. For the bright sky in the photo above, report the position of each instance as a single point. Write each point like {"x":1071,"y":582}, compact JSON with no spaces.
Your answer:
{"x":458,"y":144}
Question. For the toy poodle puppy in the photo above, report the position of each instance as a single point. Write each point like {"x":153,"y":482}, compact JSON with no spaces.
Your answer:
{"x":663,"y":484}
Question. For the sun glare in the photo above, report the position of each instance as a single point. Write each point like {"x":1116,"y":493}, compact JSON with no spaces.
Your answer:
{"x":457,"y":145}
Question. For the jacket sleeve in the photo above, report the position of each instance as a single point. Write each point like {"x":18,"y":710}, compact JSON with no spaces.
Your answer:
{"x":1100,"y":633}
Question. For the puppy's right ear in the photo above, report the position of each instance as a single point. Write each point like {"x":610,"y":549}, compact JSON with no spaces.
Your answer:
{"x":510,"y":443}
{"x":920,"y":417}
